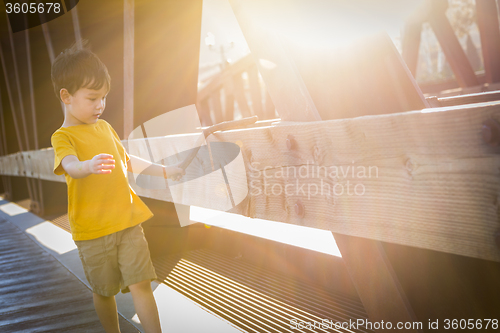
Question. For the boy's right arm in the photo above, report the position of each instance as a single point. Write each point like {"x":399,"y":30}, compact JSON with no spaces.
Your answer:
{"x":99,"y":164}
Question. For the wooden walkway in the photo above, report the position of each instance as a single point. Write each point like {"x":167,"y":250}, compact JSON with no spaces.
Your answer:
{"x":38,"y":294}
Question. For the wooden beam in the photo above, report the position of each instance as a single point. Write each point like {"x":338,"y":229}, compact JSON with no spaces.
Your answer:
{"x":436,"y":188}
{"x":487,"y":22}
{"x":452,"y":49}
{"x":239,"y":94}
{"x":128,"y":66}
{"x":279,"y":71}
{"x":411,"y":45}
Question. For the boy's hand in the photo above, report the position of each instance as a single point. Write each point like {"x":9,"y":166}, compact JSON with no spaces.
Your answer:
{"x":102,"y":164}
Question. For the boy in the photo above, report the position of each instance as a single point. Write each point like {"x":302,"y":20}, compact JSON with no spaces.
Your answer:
{"x":105,"y":214}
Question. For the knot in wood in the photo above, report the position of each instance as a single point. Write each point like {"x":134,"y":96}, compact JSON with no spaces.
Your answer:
{"x":491,"y":132}
{"x":290,"y":142}
{"x":410,"y":165}
{"x":299,"y":209}
{"x":317,"y":154}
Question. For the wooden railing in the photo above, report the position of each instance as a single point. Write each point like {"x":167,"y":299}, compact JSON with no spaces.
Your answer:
{"x":239,"y":82}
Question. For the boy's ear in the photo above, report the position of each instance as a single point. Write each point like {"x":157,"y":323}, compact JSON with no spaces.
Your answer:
{"x":65,"y":96}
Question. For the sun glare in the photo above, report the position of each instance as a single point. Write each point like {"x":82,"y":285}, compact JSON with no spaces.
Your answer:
{"x":308,"y":238}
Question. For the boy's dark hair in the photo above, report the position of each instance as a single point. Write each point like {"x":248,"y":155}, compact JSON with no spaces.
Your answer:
{"x":78,"y":68}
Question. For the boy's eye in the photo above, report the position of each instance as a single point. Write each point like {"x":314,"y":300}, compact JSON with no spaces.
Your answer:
{"x":92,"y":99}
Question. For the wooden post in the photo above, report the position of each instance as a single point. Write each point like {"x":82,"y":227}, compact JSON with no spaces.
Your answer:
{"x":217,"y":106}
{"x":375,"y":281}
{"x":239,"y":94}
{"x":487,"y":22}
{"x":411,"y":45}
{"x":128,"y":67}
{"x":253,"y":80}
{"x":451,"y":46}
{"x":76,"y":26}
{"x":278,"y":70}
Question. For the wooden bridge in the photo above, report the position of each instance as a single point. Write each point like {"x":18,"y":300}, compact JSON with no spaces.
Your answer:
{"x":416,"y":223}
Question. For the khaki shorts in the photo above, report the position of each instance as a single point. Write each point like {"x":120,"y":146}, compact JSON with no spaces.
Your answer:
{"x":116,"y":261}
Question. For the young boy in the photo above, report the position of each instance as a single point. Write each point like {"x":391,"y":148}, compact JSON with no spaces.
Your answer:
{"x":105,"y":214}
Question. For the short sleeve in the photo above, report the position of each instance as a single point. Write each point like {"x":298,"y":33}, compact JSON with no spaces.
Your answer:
{"x":118,"y":141}
{"x":62,"y":148}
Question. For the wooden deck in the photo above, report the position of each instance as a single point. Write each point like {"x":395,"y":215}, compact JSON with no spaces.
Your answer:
{"x":38,"y":294}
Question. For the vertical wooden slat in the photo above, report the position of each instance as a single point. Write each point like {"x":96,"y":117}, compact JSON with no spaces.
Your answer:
{"x":76,"y":26}
{"x":411,"y":45}
{"x":38,"y":204}
{"x":204,"y":112}
{"x":228,"y":102}
{"x":239,"y":94}
{"x":451,"y":46}
{"x":253,"y":80}
{"x":128,"y":67}
{"x":11,"y":102}
{"x":215,"y":100}
{"x":487,"y":22}
{"x":278,"y":70}
{"x":6,"y":180}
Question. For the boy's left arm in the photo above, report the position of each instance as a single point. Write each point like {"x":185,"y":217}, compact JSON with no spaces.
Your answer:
{"x":153,"y":169}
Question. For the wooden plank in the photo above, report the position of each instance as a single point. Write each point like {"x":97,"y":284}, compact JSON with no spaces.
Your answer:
{"x":452,"y":49}
{"x":487,"y":22}
{"x":204,"y":112}
{"x":436,"y":188}
{"x":239,"y":94}
{"x":470,"y":98}
{"x":411,"y":45}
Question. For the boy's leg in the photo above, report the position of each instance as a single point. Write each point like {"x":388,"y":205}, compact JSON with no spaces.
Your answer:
{"x":107,"y":312}
{"x":145,"y":306}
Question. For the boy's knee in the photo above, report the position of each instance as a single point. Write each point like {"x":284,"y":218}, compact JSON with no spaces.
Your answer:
{"x":142,"y":286}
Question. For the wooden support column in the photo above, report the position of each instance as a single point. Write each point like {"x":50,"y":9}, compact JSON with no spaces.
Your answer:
{"x":128,"y":67}
{"x":411,"y":45}
{"x":487,"y":22}
{"x":370,"y":271}
{"x":451,"y":46}
{"x":7,"y":185}
{"x":76,"y":26}
{"x":38,"y":205}
{"x":278,"y":70}
{"x":239,"y":94}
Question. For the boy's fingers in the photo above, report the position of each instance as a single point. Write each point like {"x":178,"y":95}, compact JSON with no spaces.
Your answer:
{"x":107,"y":166}
{"x":105,"y":161}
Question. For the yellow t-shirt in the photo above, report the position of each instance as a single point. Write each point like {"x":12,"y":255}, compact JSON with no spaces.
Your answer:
{"x":98,"y":205}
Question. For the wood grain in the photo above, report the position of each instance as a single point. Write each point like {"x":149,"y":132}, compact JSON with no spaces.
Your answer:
{"x":437,"y":185}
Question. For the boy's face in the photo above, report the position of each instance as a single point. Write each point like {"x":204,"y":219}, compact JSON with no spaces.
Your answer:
{"x":85,"y":106}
